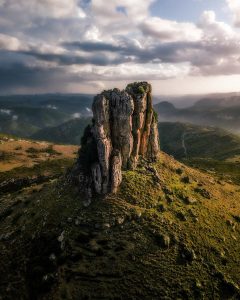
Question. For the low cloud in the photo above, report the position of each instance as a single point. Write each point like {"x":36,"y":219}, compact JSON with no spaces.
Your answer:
{"x":5,"y":111}
{"x":76,"y":115}
{"x":50,"y":106}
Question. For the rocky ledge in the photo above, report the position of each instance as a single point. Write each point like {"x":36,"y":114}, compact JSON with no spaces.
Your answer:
{"x":124,"y":128}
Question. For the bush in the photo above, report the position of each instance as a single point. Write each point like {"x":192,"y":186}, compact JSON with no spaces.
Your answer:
{"x":155,"y":116}
{"x":18,"y":148}
{"x":48,"y":150}
{"x":141,"y":89}
{"x":4,"y":155}
{"x":32,"y":150}
{"x":51,"y":151}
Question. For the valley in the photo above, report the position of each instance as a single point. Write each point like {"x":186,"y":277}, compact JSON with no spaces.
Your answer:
{"x":210,"y":149}
{"x":25,"y":115}
{"x":171,"y":223}
{"x":119,"y":150}
{"x":222,"y":112}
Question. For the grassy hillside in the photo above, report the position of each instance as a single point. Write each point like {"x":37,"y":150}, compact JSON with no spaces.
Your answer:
{"x":24,"y":115}
{"x":200,"y":141}
{"x":208,"y":148}
{"x":24,"y":121}
{"x":67,"y":133}
{"x":9,"y":125}
{"x":172,"y":236}
{"x":17,"y":152}
{"x":68,"y":103}
{"x":25,"y":163}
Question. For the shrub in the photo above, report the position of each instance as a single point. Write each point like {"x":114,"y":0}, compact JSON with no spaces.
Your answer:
{"x":141,"y":89}
{"x":18,"y":148}
{"x":48,"y":150}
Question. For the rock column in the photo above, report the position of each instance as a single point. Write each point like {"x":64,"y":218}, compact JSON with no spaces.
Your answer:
{"x":124,"y":128}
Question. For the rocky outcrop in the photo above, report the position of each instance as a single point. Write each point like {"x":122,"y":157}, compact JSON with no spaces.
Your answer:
{"x":124,"y":128}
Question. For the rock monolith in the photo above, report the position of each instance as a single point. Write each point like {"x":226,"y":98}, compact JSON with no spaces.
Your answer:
{"x":123,"y":129}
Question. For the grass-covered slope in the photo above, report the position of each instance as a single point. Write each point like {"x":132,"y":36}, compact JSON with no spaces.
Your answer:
{"x":199,"y":141}
{"x":171,"y":232}
{"x":24,"y":121}
{"x":25,"y":162}
{"x":67,"y":133}
{"x":24,"y":115}
{"x":208,"y":148}
{"x":16,"y":152}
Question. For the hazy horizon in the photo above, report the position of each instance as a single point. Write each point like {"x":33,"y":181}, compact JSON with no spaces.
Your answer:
{"x":177,"y":96}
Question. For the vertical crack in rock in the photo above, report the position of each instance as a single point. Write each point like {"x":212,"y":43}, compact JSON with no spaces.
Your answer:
{"x":124,"y":128}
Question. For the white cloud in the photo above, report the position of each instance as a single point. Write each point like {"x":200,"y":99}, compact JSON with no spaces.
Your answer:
{"x":111,"y":21}
{"x":170,"y":31}
{"x":132,"y":71}
{"x":135,"y":9}
{"x":43,"y":8}
{"x":9,"y":43}
{"x":234,"y":6}
{"x":213,"y":28}
{"x":93,"y":34}
{"x":122,"y":42}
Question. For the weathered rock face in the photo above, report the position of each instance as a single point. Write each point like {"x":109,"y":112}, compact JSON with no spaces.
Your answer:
{"x":124,"y":127}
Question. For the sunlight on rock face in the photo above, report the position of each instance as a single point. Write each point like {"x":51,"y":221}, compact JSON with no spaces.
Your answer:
{"x":124,"y":127}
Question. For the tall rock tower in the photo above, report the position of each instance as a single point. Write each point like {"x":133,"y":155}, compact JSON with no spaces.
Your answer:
{"x":124,"y":127}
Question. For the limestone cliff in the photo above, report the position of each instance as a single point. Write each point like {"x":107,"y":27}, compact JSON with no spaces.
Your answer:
{"x":124,"y":127}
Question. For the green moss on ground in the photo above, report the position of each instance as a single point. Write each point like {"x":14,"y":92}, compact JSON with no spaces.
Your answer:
{"x":222,"y":169}
{"x":207,"y":148}
{"x":172,"y":237}
{"x":49,"y":149}
{"x":54,"y":167}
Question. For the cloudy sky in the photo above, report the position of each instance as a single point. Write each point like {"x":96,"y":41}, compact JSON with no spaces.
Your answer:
{"x":180,"y":46}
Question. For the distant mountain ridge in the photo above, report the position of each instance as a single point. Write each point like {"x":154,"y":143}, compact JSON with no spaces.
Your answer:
{"x":24,"y":115}
{"x":225,"y":102}
{"x":212,"y":112}
{"x":69,"y":132}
